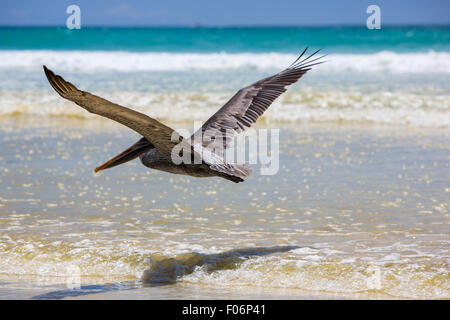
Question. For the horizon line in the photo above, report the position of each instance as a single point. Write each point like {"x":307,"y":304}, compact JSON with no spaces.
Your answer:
{"x":199,"y":26}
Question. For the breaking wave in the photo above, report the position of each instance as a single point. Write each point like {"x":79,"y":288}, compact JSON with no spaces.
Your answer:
{"x":306,"y":268}
{"x":123,"y":61}
{"x":307,"y":105}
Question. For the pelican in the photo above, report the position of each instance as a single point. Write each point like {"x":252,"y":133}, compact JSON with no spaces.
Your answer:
{"x":155,"y":148}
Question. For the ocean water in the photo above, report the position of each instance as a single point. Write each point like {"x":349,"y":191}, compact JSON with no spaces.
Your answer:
{"x":388,"y":76}
{"x":358,"y":209}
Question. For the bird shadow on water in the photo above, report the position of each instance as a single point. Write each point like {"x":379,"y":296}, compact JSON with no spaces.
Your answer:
{"x":166,"y":271}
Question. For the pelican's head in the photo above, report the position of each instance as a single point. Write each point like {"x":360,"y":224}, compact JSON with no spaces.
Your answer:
{"x":129,"y":154}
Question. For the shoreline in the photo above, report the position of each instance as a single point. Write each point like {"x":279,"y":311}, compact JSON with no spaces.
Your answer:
{"x":137,"y":290}
{"x":98,"y":124}
{"x":347,"y":202}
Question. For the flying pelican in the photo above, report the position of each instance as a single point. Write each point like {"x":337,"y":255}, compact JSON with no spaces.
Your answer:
{"x":155,"y":148}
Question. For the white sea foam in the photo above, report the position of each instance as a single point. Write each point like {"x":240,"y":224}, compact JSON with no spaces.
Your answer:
{"x":100,"y":261}
{"x":307,"y":105}
{"x":122,"y":61}
{"x":390,"y":101}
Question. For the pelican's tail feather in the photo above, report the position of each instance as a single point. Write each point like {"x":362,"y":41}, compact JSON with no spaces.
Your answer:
{"x":235,"y":172}
{"x":243,"y":170}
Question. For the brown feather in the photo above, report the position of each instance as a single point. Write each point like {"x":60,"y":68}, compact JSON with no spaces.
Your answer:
{"x":155,"y":132}
{"x":249,"y":103}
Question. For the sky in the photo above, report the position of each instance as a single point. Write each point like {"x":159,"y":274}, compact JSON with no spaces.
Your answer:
{"x":223,"y":12}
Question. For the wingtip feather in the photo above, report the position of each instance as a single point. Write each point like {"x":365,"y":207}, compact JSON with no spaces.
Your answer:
{"x":61,"y":86}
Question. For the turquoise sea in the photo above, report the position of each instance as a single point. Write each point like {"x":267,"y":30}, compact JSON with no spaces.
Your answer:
{"x":229,"y":39}
{"x":359,"y":207}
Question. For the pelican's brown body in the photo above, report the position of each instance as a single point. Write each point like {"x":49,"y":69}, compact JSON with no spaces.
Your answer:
{"x":156,"y":147}
{"x":151,"y":159}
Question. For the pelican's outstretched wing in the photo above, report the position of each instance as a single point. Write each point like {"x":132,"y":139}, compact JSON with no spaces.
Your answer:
{"x":249,"y":103}
{"x":157,"y":133}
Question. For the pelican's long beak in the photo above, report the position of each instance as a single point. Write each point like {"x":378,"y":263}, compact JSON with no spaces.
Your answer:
{"x":129,"y":154}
